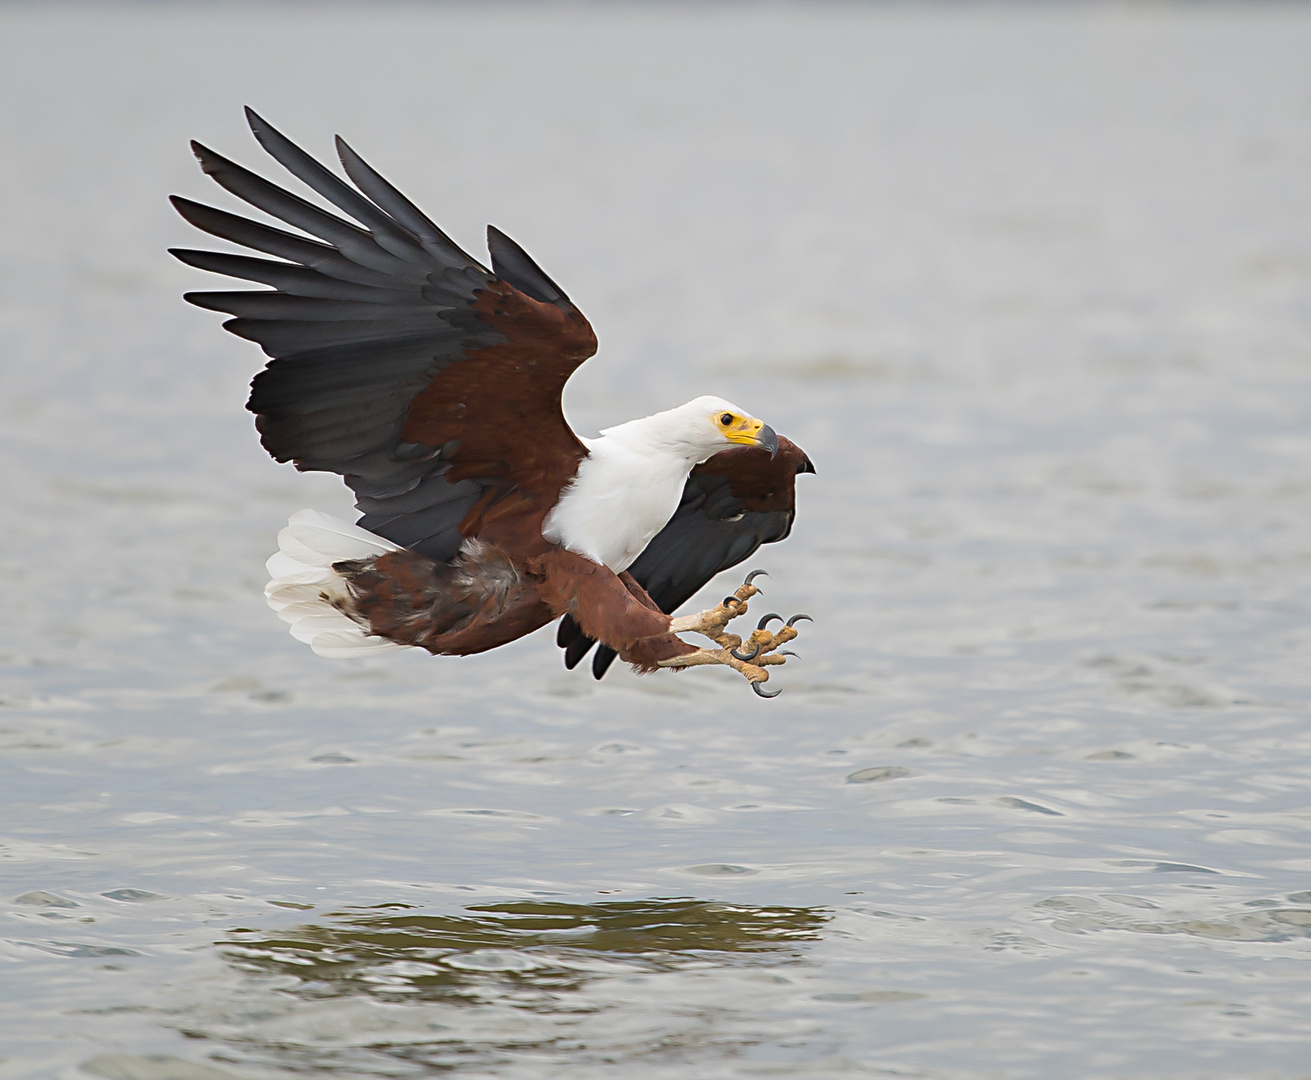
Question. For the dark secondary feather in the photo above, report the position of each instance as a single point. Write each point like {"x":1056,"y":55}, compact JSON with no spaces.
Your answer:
{"x":733,"y":503}
{"x":367,"y":319}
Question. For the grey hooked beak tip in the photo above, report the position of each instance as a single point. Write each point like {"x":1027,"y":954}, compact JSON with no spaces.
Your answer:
{"x":768,"y":439}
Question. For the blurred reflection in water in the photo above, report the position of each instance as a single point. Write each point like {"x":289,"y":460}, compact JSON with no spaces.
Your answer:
{"x":530,"y":945}
{"x":375,"y":991}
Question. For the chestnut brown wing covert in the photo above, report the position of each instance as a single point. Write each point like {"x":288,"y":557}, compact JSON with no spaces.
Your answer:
{"x":739,"y":499}
{"x":429,"y":382}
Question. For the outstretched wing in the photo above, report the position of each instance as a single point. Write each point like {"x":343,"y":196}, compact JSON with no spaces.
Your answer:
{"x":733,"y":503}
{"x":429,"y":382}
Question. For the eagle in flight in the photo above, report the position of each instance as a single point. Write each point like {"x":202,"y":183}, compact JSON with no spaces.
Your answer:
{"x":432,"y":385}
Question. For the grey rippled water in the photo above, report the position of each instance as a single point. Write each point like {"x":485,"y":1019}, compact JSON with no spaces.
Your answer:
{"x":1031,"y":284}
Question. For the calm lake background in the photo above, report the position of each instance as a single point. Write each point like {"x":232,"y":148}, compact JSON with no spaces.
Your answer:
{"x":1031,"y":284}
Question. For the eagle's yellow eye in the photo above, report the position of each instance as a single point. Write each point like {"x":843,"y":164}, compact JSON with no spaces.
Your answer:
{"x":726,"y":419}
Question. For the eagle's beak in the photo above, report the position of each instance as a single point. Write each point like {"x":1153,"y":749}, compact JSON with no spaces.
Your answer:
{"x":753,"y":432}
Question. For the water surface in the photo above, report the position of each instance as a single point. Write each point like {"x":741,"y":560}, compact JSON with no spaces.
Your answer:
{"x":1031,"y":286}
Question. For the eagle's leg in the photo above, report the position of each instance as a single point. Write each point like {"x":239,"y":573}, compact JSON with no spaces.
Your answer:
{"x":752,"y":670}
{"x":713,"y":621}
{"x":749,"y":658}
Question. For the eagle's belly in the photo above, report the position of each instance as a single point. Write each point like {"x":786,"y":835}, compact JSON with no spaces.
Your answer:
{"x":616,"y":504}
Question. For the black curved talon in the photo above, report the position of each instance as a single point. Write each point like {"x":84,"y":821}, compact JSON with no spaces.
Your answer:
{"x":731,"y":601}
{"x":753,"y":575}
{"x":754,"y":653}
{"x":761,"y":693}
{"x":787,"y":652}
{"x":765,"y":621}
{"x":797,"y":618}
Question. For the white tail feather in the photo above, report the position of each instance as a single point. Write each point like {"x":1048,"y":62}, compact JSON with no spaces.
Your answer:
{"x":341,"y":645}
{"x":304,"y":585}
{"x":283,"y":569}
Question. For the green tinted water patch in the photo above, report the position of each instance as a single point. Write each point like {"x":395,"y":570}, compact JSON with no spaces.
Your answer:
{"x":402,"y":953}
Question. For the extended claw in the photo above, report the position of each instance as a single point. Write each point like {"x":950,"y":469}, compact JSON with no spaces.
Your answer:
{"x":786,"y":652}
{"x":749,"y":658}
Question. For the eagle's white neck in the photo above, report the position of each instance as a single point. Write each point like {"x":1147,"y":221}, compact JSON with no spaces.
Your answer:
{"x":630,"y":483}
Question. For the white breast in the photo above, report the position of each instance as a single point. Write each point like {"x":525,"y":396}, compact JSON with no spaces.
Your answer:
{"x":622,"y":496}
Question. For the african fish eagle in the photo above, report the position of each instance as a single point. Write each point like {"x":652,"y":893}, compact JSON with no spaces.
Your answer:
{"x":432,"y":385}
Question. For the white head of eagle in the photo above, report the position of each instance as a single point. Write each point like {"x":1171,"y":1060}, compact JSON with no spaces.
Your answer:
{"x":629,"y":485}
